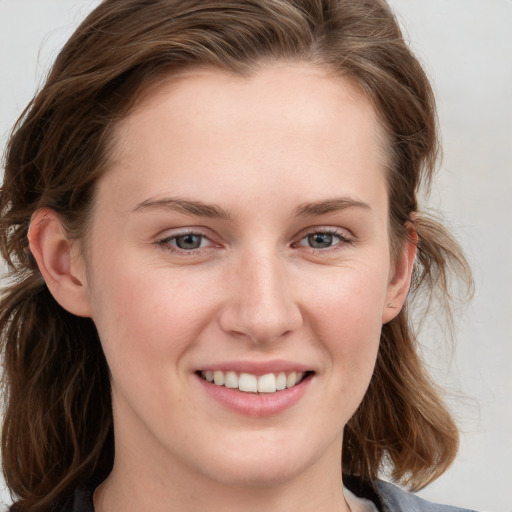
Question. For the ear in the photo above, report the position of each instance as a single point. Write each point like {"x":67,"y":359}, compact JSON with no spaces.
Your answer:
{"x":59,"y":261}
{"x":400,"y":277}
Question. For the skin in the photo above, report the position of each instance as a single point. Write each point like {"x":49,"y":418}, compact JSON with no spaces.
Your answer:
{"x":258,"y":149}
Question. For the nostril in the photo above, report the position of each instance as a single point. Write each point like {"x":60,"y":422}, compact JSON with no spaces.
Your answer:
{"x":260,"y":325}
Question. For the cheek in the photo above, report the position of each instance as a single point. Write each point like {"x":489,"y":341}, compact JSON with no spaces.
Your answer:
{"x":347,"y":318}
{"x":146,"y":317}
{"x":351,"y":296}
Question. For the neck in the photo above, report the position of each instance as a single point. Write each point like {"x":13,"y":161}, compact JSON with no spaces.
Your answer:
{"x":173,"y":487}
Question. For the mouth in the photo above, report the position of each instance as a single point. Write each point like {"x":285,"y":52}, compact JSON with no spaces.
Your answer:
{"x":250,"y":383}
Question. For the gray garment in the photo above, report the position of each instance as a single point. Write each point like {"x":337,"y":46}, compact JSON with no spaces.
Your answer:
{"x":394,"y":499}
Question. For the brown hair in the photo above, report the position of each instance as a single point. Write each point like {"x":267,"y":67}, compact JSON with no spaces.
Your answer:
{"x":57,"y":430}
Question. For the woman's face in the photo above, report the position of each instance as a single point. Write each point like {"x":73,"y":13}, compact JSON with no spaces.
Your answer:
{"x":241,"y":235}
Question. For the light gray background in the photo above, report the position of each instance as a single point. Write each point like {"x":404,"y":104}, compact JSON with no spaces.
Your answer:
{"x":466,"y":46}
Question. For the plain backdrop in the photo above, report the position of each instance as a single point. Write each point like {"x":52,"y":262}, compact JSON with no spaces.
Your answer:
{"x":466,"y":47}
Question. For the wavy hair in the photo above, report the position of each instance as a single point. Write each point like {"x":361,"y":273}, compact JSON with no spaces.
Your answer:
{"x":57,"y":428}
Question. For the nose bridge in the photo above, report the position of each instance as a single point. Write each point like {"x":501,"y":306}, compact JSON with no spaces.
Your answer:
{"x":262,"y":305}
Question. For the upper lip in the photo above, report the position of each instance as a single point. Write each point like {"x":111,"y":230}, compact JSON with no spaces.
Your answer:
{"x":257,"y":367}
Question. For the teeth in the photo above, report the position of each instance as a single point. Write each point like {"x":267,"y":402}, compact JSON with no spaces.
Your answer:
{"x":218,"y":378}
{"x":231,"y":380}
{"x":281,"y":381}
{"x":291,"y":380}
{"x":268,"y":383}
{"x":248,"y":382}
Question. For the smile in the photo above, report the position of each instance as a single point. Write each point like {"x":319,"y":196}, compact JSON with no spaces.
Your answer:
{"x":249,"y":383}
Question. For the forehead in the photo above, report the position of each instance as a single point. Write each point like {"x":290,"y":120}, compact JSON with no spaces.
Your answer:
{"x":282,"y":121}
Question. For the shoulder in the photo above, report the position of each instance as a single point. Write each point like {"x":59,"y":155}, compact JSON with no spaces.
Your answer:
{"x":394,"y":499}
{"x":391,"y":498}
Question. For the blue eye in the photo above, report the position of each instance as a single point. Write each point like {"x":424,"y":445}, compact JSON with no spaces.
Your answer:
{"x":321,"y":240}
{"x":185,"y":242}
{"x":327,"y":239}
{"x":188,"y":242}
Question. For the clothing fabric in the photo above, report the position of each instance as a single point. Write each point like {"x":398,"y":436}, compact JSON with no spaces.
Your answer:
{"x":386,"y":497}
{"x":358,"y":504}
{"x":395,"y":499}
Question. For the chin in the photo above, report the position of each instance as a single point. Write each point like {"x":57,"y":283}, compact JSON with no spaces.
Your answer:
{"x":264,"y":464}
{"x":257,"y":475}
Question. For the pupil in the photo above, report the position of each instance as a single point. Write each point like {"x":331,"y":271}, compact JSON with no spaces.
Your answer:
{"x":320,"y":240}
{"x":188,"y":241}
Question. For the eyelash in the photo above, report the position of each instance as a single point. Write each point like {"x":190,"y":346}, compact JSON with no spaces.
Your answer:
{"x":167,"y":243}
{"x":344,"y":239}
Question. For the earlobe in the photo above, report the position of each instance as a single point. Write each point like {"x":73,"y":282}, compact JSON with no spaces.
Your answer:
{"x":59,"y":261}
{"x":400,"y":280}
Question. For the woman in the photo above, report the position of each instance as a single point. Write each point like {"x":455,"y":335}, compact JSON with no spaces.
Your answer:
{"x":210,"y":215}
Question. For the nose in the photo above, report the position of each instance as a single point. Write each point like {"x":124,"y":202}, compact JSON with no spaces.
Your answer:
{"x":262,"y":301}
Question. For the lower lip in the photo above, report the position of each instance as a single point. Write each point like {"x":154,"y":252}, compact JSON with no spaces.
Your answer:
{"x":256,"y":404}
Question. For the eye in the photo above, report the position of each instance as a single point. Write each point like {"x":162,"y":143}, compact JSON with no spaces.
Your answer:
{"x":185,"y":242}
{"x":321,"y":240}
{"x":324,"y":239}
{"x":189,"y":241}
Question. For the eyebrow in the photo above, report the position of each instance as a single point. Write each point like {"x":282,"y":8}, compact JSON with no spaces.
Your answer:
{"x":329,"y":206}
{"x":200,"y":209}
{"x":186,"y":206}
